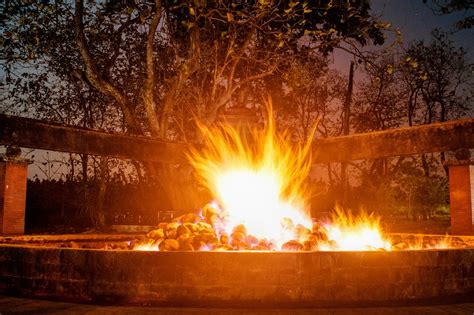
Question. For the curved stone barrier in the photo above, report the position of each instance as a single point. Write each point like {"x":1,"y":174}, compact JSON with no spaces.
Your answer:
{"x":237,"y":278}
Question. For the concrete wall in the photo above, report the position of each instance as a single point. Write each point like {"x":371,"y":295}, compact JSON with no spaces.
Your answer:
{"x":237,"y":278}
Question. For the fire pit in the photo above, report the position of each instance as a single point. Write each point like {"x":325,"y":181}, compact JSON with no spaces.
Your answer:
{"x":45,"y":268}
{"x":254,"y":245}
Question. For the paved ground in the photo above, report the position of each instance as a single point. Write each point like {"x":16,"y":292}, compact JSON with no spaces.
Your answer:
{"x":12,"y":305}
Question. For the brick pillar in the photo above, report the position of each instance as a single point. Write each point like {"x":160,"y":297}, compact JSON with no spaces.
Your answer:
{"x":461,"y":195}
{"x":13,"y":175}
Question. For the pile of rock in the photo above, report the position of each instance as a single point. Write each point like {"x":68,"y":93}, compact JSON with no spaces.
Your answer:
{"x":205,"y":232}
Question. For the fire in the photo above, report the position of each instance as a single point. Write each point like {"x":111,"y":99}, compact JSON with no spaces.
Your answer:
{"x":146,"y":247}
{"x":347,"y":232}
{"x":258,"y":178}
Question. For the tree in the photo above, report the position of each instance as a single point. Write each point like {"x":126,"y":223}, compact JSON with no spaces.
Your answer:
{"x":440,"y":82}
{"x":450,"y":6}
{"x":153,"y":67}
{"x":312,"y":93}
{"x":443,"y":76}
{"x":143,"y":55}
{"x":426,"y":83}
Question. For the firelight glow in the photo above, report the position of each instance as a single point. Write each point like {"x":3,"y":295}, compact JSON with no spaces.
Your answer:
{"x":258,"y":178}
{"x":354,"y":233}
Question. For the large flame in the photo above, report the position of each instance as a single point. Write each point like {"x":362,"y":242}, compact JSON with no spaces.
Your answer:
{"x":258,"y":177}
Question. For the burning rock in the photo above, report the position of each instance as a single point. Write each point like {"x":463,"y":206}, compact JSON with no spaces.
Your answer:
{"x":157,"y":234}
{"x":224,"y":239}
{"x":293,"y":246}
{"x":310,"y":245}
{"x":240,"y":229}
{"x":208,"y":232}
{"x":183,"y":230}
{"x":169,"y":245}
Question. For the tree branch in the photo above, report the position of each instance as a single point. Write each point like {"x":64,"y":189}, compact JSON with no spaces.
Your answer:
{"x":148,"y":99}
{"x":92,"y":73}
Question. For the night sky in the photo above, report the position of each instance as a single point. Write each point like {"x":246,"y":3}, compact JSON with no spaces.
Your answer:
{"x":416,"y":21}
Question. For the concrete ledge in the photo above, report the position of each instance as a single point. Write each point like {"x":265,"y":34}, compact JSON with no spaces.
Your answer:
{"x":302,"y":279}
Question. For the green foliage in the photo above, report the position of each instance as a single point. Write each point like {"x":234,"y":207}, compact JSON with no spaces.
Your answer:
{"x":205,"y":54}
{"x":423,"y":194}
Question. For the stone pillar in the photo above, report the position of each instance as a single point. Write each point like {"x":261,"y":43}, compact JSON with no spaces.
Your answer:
{"x":461,"y":195}
{"x":13,"y":176}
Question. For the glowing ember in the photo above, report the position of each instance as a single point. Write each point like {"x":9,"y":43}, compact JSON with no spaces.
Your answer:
{"x":420,"y":243}
{"x":146,"y":247}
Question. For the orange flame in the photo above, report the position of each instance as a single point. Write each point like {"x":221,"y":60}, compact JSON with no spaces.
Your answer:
{"x":348,"y":232}
{"x":258,"y":178}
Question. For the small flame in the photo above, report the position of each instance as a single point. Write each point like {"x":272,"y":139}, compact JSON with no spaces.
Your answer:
{"x":437,"y":243}
{"x":146,"y":247}
{"x":355,"y":233}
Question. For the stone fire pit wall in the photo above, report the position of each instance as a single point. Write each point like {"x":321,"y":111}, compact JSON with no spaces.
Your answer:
{"x":236,"y":278}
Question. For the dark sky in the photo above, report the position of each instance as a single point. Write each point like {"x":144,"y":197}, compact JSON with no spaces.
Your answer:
{"x":416,"y":21}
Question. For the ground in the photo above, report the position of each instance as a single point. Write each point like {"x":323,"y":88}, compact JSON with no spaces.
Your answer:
{"x":13,"y":305}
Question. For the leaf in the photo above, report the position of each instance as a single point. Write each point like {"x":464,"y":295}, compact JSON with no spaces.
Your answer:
{"x":389,"y":69}
{"x":189,"y":25}
{"x":230,"y":17}
{"x":191,"y":11}
{"x":383,"y":25}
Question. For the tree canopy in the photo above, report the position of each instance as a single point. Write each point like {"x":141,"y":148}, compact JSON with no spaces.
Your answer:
{"x":153,"y":66}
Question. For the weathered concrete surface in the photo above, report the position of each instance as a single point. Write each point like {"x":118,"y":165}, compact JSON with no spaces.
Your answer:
{"x":37,"y":134}
{"x":276,"y":279}
{"x":438,"y":137}
{"x":13,"y":305}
